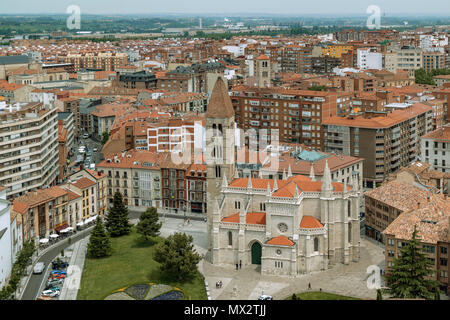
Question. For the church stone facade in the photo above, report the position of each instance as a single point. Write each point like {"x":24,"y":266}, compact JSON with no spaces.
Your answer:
{"x":290,"y":226}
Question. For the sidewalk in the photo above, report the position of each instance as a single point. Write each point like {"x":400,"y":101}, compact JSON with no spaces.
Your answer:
{"x":74,"y":271}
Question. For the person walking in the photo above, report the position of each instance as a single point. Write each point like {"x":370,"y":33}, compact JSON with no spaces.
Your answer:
{"x":237,"y":266}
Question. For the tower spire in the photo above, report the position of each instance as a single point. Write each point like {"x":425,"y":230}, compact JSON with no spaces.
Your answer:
{"x":284,"y":174}
{"x":311,"y":172}
{"x":289,"y":174}
{"x":327,"y":187}
{"x":224,"y":181}
{"x":249,"y":185}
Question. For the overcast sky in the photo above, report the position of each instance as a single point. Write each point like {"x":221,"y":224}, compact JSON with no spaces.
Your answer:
{"x":297,"y":7}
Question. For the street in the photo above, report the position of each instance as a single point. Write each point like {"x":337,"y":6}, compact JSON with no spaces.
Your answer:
{"x":32,"y":290}
{"x":90,"y":144}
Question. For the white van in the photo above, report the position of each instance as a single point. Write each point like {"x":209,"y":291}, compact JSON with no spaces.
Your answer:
{"x":38,"y":268}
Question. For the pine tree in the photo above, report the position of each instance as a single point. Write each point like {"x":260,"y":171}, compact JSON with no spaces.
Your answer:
{"x":409,"y":272}
{"x":99,"y":243}
{"x":117,"y":219}
{"x":148,"y":225}
{"x":177,"y":256}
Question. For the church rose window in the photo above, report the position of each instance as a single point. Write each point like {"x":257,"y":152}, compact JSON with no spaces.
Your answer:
{"x":282,"y":227}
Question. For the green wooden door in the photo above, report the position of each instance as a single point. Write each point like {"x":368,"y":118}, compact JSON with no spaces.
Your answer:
{"x":256,"y":253}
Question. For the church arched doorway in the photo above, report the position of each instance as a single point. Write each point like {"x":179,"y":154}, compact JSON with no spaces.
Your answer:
{"x":256,"y":253}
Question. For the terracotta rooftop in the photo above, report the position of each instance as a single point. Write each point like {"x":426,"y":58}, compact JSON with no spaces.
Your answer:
{"x":431,"y":219}
{"x":391,"y":119}
{"x":309,"y":222}
{"x":398,"y":195}
{"x":439,"y":135}
{"x":84,"y":183}
{"x":280,"y":241}
{"x":251,"y":218}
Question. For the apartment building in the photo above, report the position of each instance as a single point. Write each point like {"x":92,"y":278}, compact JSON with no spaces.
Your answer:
{"x":100,"y":178}
{"x":384,"y":204}
{"x":386,"y":140}
{"x":136,"y":175}
{"x":71,"y":105}
{"x":5,"y":239}
{"x":139,"y":80}
{"x":87,"y":188}
{"x":297,"y":114}
{"x":296,"y":59}
{"x":409,"y":58}
{"x":432,"y":220}
{"x":173,"y":192}
{"x":107,"y":61}
{"x":443,"y":94}
{"x":28,"y":147}
{"x":68,"y":122}
{"x":433,"y":60}
{"x":368,"y":59}
{"x":196,"y":195}
{"x":43,"y":212}
{"x":435,"y":149}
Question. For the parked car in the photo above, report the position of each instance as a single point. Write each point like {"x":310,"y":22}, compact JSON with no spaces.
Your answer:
{"x":38,"y":268}
{"x":85,"y":136}
{"x":265,"y":297}
{"x":95,"y":149}
{"x":51,"y":293}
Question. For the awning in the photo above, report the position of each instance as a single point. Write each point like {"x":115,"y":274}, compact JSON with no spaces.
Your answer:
{"x":54,"y":235}
{"x":45,"y":240}
{"x":61,"y":227}
{"x":81,"y":223}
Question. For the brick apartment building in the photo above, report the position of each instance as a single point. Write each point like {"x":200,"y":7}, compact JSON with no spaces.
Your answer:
{"x":297,"y":114}
{"x":386,"y":140}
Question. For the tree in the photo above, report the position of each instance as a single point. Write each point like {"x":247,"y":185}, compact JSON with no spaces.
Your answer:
{"x":99,"y":243}
{"x":105,"y":137}
{"x":148,"y":225}
{"x":117,"y":219}
{"x":408,"y":276}
{"x":177,"y":256}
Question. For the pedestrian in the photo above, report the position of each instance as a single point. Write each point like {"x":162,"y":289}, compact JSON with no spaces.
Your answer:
{"x":237,"y":266}
{"x":240,"y":264}
{"x":320,"y":289}
{"x":309,"y":286}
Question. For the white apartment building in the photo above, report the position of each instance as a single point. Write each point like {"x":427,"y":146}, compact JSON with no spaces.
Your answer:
{"x":435,"y":149}
{"x":5,"y":239}
{"x":367,"y":59}
{"x":28,"y":147}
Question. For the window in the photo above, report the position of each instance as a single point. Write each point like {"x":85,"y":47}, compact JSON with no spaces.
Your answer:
{"x":349,"y":232}
{"x":443,"y":262}
{"x":218,"y":172}
{"x":237,"y":204}
{"x":279,"y":264}
{"x":349,"y":208}
{"x":230,"y":238}
{"x":443,"y":250}
{"x":316,"y":244}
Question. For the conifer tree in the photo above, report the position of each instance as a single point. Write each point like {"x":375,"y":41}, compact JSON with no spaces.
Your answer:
{"x":99,"y":243}
{"x":149,"y":224}
{"x":408,"y":275}
{"x":177,"y":256}
{"x":117,"y":219}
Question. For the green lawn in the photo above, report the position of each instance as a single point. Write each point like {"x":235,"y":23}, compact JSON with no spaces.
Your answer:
{"x":315,"y":295}
{"x":131,"y":263}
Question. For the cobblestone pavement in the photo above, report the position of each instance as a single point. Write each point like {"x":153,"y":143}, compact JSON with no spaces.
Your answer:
{"x":248,"y":284}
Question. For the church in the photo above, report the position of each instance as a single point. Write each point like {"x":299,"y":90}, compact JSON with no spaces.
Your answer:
{"x":290,"y":226}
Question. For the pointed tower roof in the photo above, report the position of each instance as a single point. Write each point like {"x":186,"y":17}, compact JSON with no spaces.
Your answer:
{"x":275,"y":184}
{"x":284,"y":174}
{"x":249,"y":186}
{"x":311,"y":172}
{"x":220,"y":105}
{"x":326,"y":179}
{"x":289,"y":174}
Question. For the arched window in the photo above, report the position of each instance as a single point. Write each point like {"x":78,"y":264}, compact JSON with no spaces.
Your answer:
{"x":214,"y":128}
{"x":349,"y":232}
{"x":349,"y":208}
{"x":218,"y":172}
{"x":220,"y":129}
{"x":230,"y":238}
{"x":316,"y":244}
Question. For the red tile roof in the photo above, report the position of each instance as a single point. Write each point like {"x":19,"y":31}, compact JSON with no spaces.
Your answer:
{"x":309,"y":222}
{"x":281,"y":241}
{"x":251,"y":218}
